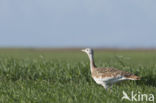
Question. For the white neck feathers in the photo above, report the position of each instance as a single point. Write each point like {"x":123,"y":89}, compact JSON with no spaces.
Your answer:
{"x":92,"y":64}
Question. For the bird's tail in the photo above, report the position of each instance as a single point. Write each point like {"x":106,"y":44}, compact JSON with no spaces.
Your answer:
{"x":134,"y":77}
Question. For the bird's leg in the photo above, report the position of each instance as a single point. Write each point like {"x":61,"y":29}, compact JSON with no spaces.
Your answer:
{"x":107,"y":87}
{"x":110,"y":88}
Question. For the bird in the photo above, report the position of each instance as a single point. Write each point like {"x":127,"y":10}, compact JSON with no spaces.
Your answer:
{"x":107,"y":76}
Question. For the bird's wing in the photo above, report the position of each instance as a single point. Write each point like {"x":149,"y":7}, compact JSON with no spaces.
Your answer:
{"x":112,"y":72}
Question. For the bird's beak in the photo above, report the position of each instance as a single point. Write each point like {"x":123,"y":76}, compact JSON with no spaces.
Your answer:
{"x":83,"y":50}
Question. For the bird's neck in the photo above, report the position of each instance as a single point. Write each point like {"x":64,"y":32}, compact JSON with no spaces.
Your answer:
{"x":92,"y":64}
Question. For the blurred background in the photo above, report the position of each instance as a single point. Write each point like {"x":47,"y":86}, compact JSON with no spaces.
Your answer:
{"x":77,"y":23}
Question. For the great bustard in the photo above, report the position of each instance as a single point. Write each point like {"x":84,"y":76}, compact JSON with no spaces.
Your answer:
{"x":107,"y":76}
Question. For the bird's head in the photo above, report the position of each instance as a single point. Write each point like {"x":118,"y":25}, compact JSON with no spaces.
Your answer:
{"x":88,"y":51}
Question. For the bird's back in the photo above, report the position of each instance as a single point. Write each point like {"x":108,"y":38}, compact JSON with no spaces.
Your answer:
{"x":113,"y":73}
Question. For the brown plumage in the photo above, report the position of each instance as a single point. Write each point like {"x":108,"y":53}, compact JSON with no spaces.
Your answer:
{"x":112,"y":72}
{"x":107,"y":76}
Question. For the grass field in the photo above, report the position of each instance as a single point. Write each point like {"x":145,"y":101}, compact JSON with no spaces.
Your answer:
{"x":63,"y":76}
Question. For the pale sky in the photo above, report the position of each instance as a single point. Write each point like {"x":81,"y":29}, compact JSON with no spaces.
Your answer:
{"x":74,"y":23}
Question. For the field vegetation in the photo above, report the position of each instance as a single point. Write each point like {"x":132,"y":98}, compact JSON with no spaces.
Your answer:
{"x":63,"y":76}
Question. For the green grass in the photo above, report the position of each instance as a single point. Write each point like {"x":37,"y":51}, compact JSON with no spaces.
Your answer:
{"x":31,"y":76}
